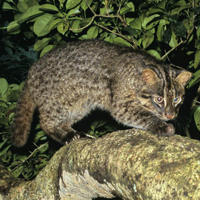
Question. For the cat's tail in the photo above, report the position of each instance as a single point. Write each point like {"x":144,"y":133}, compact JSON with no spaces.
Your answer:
{"x":23,"y":118}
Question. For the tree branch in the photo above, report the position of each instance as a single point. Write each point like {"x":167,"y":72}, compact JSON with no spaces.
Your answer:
{"x":131,"y":164}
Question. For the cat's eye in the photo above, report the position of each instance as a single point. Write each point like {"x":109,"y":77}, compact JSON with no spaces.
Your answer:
{"x":158,"y":100}
{"x":177,"y":100}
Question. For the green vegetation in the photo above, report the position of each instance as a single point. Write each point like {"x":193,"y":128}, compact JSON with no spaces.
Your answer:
{"x":167,"y":29}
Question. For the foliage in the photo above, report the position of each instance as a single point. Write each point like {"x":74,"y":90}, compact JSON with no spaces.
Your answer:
{"x":145,"y":25}
{"x":167,"y":29}
{"x":15,"y":60}
{"x":26,"y":164}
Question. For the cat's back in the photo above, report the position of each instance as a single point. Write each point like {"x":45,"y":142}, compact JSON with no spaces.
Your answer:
{"x":79,"y":55}
{"x":74,"y":69}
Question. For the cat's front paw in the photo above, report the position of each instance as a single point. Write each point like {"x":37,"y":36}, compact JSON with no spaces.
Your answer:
{"x":165,"y":130}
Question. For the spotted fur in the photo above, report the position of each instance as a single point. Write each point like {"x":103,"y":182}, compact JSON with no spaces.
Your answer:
{"x":72,"y":80}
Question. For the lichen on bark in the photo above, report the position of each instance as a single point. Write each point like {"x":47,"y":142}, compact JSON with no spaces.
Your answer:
{"x":131,"y":164}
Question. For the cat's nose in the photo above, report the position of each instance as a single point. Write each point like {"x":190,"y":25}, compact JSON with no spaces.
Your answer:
{"x":170,"y":116}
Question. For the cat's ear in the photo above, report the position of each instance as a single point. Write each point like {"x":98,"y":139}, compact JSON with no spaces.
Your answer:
{"x":183,"y":77}
{"x":149,"y":76}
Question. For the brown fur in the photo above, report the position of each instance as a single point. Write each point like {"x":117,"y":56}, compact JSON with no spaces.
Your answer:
{"x":70,"y":81}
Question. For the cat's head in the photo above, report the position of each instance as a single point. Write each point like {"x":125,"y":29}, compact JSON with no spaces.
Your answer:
{"x":163,"y":90}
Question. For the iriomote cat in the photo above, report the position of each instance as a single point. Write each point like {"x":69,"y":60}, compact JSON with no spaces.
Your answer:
{"x":72,"y":80}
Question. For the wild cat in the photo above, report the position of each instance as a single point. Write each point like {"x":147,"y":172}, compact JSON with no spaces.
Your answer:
{"x":72,"y":80}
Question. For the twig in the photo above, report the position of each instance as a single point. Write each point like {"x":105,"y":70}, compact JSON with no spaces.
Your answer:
{"x":22,"y":162}
{"x":181,"y":42}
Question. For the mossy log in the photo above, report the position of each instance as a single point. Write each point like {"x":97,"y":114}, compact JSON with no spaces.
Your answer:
{"x":130,"y":164}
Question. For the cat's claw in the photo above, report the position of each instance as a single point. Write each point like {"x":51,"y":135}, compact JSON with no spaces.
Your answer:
{"x":74,"y":136}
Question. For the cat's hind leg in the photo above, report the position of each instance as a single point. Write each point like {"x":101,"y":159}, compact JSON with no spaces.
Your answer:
{"x":61,"y":131}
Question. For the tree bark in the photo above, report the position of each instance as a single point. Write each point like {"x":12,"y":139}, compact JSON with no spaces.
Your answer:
{"x":131,"y":164}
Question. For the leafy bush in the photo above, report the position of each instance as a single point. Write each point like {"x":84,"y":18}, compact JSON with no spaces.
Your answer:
{"x":159,"y":26}
{"x":26,"y":164}
{"x":167,"y":29}
{"x":16,"y":56}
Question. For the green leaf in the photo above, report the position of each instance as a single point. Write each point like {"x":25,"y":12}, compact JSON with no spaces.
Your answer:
{"x":131,"y":5}
{"x":86,"y":21}
{"x":31,"y":3}
{"x":54,"y":23}
{"x":49,"y":7}
{"x":147,"y":40}
{"x":132,"y":31}
{"x":197,"y":118}
{"x":75,"y":26}
{"x":106,"y":11}
{"x":62,"y":28}
{"x":30,"y":13}
{"x":84,"y":5}
{"x":41,"y":26}
{"x":13,"y":26}
{"x":197,"y":59}
{"x":72,"y":3}
{"x":95,"y":7}
{"x":128,"y":8}
{"x":5,"y":150}
{"x":176,"y":11}
{"x":98,"y":124}
{"x":38,"y":136}
{"x":74,"y":11}
{"x":136,"y":24}
{"x":58,"y":38}
{"x":109,"y":39}
{"x":18,"y":158}
{"x":93,"y":32}
{"x":22,"y":6}
{"x":173,"y":42}
{"x":194,"y":79}
{"x":2,"y":143}
{"x":13,"y":95}
{"x":167,"y":35}
{"x":198,"y":32}
{"x":161,"y":28}
{"x":7,"y":6}
{"x":124,"y":10}
{"x":46,"y":49}
{"x":43,"y":163}
{"x":3,"y":121}
{"x":3,"y":86}
{"x":120,"y":41}
{"x":154,"y":53}
{"x":151,"y":21}
{"x":44,"y":148}
{"x":156,"y":10}
{"x":40,"y":44}
{"x":21,"y":86}
{"x":18,"y":171}
{"x":179,"y":29}
{"x":14,"y":87}
{"x":6,"y":158}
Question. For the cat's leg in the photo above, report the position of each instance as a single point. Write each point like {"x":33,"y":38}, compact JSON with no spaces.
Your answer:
{"x":133,"y":115}
{"x":60,"y":127}
{"x":160,"y":127}
{"x":62,"y":133}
